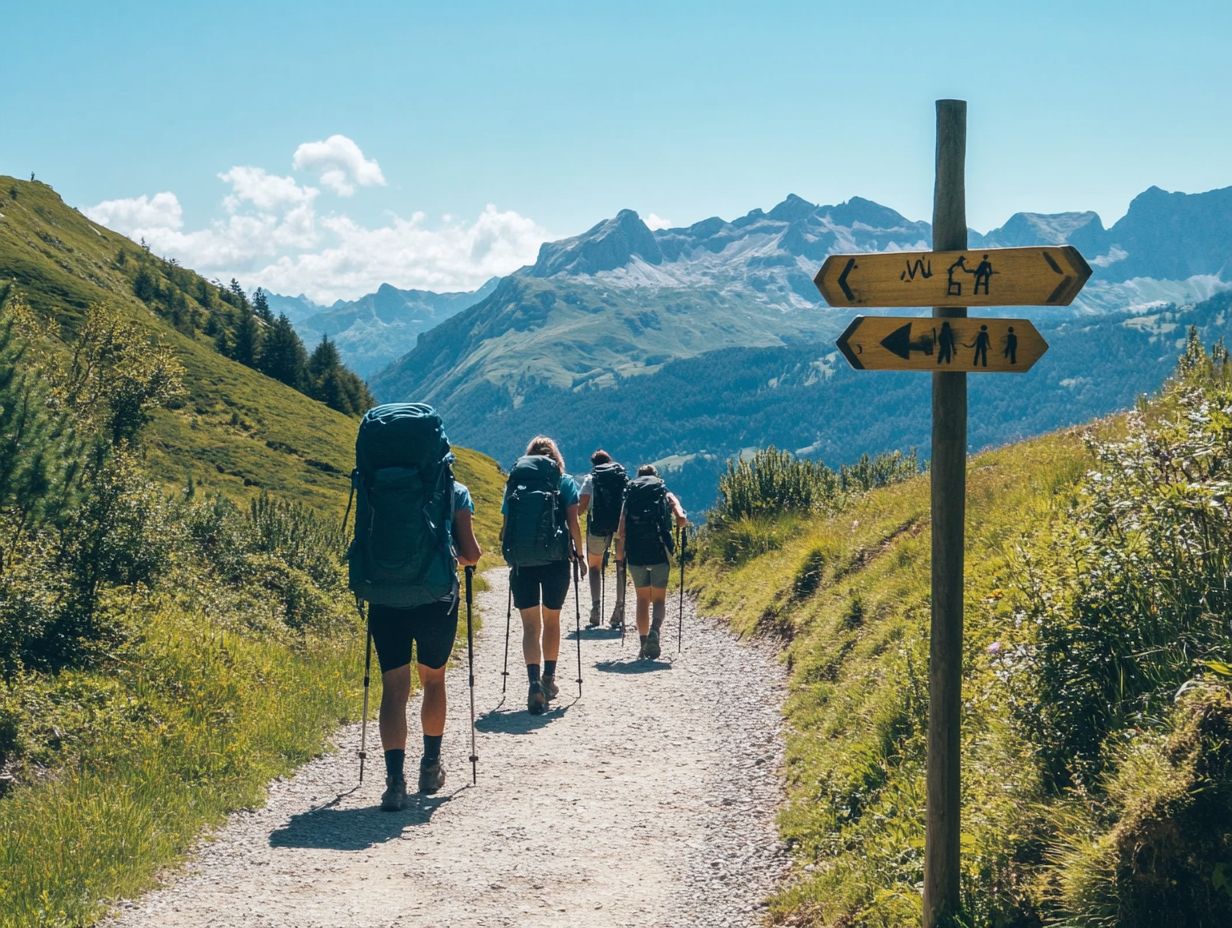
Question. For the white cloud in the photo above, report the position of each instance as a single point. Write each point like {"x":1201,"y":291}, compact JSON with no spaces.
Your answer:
{"x":263,"y":190}
{"x":270,"y":234}
{"x":654,"y":222}
{"x":142,"y":216}
{"x":340,"y":164}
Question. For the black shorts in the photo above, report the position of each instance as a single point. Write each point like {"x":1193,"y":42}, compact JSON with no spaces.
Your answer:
{"x":552,"y":579}
{"x":432,"y":628}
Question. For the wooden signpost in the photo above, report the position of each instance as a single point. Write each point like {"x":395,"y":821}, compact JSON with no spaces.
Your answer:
{"x":1050,"y":276}
{"x":892,"y":343}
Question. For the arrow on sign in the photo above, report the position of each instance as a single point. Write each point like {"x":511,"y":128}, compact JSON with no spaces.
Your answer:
{"x":886,"y":343}
{"x":1046,"y":276}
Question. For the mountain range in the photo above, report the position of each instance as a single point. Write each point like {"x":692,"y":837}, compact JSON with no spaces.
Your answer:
{"x":643,"y":339}
{"x":378,"y":328}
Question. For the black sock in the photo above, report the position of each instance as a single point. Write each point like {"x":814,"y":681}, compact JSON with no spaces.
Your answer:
{"x":532,"y":673}
{"x":549,"y":668}
{"x":642,"y":638}
{"x":393,"y":762}
{"x":432,"y":747}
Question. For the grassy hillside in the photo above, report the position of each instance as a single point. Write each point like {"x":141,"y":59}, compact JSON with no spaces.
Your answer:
{"x":1090,"y":783}
{"x":174,"y":624}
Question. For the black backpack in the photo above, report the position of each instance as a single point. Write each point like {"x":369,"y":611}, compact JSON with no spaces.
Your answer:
{"x":535,"y":529}
{"x":403,"y":477}
{"x":607,"y":495}
{"x":648,"y":522}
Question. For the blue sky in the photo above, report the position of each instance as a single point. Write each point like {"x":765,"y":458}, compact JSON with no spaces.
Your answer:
{"x":470,"y":130}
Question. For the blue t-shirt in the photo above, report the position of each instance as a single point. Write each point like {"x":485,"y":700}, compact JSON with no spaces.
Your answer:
{"x":570,"y":494}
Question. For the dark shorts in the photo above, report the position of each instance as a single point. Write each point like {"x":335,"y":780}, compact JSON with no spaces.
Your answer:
{"x":432,"y":628}
{"x":550,"y":580}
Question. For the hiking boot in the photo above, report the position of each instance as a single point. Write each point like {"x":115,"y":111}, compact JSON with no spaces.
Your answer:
{"x":595,"y":619}
{"x":431,"y":775}
{"x":394,"y":797}
{"x":618,"y":616}
{"x":536,"y":699}
{"x":550,"y":689}
{"x":651,"y":647}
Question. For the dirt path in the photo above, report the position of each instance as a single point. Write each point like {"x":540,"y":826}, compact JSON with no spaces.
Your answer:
{"x":648,"y":802}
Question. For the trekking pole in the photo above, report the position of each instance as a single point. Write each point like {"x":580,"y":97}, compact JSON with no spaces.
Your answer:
{"x":603,"y":584}
{"x":577,"y":609}
{"x":470,"y":656}
{"x":684,"y":538}
{"x":508,"y":620}
{"x":363,"y":728}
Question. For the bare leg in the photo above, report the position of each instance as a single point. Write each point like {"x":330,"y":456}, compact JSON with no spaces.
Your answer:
{"x":658,"y":605}
{"x":551,"y":634}
{"x":395,"y":691}
{"x":432,"y":712}
{"x":531,"y":633}
{"x":643,"y":609}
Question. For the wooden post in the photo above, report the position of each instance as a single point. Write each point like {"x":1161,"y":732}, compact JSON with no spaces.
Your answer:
{"x":949,"y":492}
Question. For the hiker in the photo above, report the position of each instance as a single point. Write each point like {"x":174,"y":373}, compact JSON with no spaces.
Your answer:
{"x":540,"y":537}
{"x":602,"y":495}
{"x":644,"y":540}
{"x":406,"y":569}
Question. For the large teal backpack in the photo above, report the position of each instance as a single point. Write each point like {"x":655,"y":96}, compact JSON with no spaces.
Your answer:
{"x":535,"y":529}
{"x":403,"y":479}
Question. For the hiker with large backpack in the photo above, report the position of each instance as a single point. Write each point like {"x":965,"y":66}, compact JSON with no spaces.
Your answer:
{"x":540,"y":537}
{"x":644,"y":540}
{"x":412,"y":528}
{"x":602,"y":495}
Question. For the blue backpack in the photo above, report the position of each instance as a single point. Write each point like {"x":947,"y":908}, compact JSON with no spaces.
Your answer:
{"x":401,"y":554}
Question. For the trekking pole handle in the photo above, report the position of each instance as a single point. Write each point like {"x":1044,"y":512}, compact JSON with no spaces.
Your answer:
{"x":469,"y":573}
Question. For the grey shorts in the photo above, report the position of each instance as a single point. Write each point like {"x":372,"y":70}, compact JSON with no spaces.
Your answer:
{"x":595,"y":544}
{"x":650,"y":575}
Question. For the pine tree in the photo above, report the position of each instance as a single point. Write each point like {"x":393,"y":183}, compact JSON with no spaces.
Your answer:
{"x":144,"y":285}
{"x":333,"y":384}
{"x":239,"y":299}
{"x":260,"y":305}
{"x":283,"y":356}
{"x":246,"y":346}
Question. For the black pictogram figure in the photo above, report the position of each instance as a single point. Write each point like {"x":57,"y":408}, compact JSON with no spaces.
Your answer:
{"x":981,"y":348}
{"x":1011,"y":346}
{"x":983,"y":273}
{"x":945,"y":344}
{"x":917,"y":267}
{"x":954,"y":287}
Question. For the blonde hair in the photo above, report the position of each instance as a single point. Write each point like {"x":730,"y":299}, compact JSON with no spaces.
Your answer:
{"x":541,"y":444}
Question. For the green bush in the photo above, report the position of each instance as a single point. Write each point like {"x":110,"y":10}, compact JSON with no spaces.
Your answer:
{"x":1134,"y":597}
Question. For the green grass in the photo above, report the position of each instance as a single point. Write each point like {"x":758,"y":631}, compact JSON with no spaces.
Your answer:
{"x":850,"y":597}
{"x":211,"y":696}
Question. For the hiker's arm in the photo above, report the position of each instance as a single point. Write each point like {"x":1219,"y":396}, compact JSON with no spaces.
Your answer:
{"x":575,"y":529}
{"x":682,"y":517}
{"x":465,"y":542}
{"x":583,"y":504}
{"x":620,"y":538}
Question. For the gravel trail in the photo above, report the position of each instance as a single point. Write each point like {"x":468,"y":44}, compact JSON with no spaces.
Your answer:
{"x":648,"y":802}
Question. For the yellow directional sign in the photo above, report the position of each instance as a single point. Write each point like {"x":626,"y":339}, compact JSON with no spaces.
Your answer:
{"x":886,"y":343}
{"x":1047,"y":276}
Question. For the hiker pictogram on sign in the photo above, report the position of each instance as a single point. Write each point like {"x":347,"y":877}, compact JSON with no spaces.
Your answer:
{"x":894,"y":344}
{"x":1050,"y":275}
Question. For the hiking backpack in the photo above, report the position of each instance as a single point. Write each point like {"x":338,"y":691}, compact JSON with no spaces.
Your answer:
{"x":607,"y":495}
{"x":535,"y":531}
{"x":403,"y":479}
{"x":648,"y":522}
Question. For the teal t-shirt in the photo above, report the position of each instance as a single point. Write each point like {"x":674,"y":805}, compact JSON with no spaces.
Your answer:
{"x":461,"y":500}
{"x":570,"y":494}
